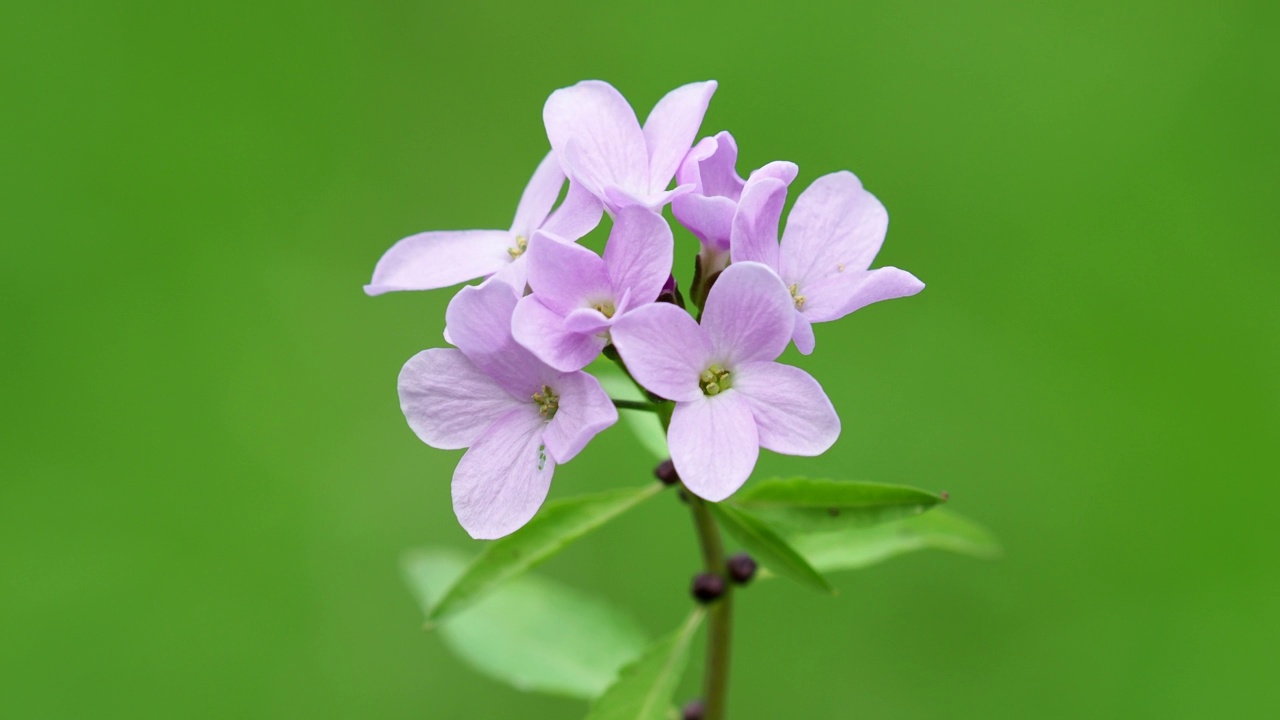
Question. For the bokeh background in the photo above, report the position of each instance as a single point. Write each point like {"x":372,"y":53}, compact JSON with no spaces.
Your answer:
{"x":206,"y":481}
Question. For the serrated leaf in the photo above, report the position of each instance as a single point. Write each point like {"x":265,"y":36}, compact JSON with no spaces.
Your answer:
{"x":769,"y":548}
{"x":815,"y":505}
{"x":532,"y":633}
{"x":558,"y":524}
{"x":853,"y":548}
{"x":644,"y":425}
{"x":644,"y":688}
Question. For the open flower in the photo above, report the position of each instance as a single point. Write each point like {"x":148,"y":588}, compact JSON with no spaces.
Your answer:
{"x":709,"y":209}
{"x":601,"y":145}
{"x":731,"y":397}
{"x":833,"y":233}
{"x":516,"y":416}
{"x":438,"y":259}
{"x":577,"y":295}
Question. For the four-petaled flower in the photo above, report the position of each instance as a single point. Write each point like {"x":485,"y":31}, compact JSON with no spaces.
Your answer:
{"x":833,"y":233}
{"x":516,"y":416}
{"x":731,"y":397}
{"x":438,"y":259}
{"x":603,"y":147}
{"x":577,"y":295}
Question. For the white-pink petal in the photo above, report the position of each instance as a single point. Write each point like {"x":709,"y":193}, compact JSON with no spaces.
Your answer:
{"x":584,"y":410}
{"x":792,"y":413}
{"x":578,"y":215}
{"x":835,"y":226}
{"x":447,"y":400}
{"x":664,"y":349}
{"x":479,"y":323}
{"x":539,"y":196}
{"x":545,"y":333}
{"x":609,"y":145}
{"x":565,"y":275}
{"x":754,"y":234}
{"x":431,"y":260}
{"x":838,"y":295}
{"x":638,"y":254}
{"x":503,"y":478}
{"x":713,"y":444}
{"x":671,"y":127}
{"x":749,"y":314}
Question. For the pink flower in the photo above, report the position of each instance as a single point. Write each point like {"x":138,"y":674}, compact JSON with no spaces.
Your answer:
{"x":516,"y":416}
{"x":601,"y":145}
{"x":577,"y":295}
{"x":438,"y":259}
{"x":833,"y":233}
{"x":731,"y":397}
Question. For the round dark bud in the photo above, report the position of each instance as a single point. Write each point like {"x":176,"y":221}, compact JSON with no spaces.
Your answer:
{"x":708,"y":587}
{"x":742,"y":567}
{"x":666,"y":472}
{"x":694,"y":710}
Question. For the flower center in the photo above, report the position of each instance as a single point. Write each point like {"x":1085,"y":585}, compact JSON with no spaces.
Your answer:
{"x":605,"y":308}
{"x":797,"y":299}
{"x":548,"y":402}
{"x":521,"y":245}
{"x":714,"y":380}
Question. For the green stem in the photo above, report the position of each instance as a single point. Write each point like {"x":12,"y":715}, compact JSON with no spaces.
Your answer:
{"x":720,"y":617}
{"x":635,"y":405}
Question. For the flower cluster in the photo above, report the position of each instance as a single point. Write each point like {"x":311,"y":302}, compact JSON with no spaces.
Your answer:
{"x":513,"y":391}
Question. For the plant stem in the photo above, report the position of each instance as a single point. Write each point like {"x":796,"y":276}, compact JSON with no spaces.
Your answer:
{"x":720,"y":617}
{"x":635,"y":405}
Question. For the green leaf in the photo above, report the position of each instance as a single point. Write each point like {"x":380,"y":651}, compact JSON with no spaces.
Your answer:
{"x":806,"y":505}
{"x":859,"y":547}
{"x":532,"y":633}
{"x":769,"y":549}
{"x":644,"y":688}
{"x":559,"y":523}
{"x":646,"y":425}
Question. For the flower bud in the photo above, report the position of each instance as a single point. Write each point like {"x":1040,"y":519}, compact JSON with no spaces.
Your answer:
{"x":694,"y":710}
{"x":741,"y":567}
{"x":666,"y":472}
{"x":708,"y":587}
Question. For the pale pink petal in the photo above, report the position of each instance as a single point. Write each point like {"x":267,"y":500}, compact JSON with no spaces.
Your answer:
{"x":539,"y":196}
{"x":544,"y":333}
{"x":565,"y":275}
{"x":617,"y":198}
{"x":578,"y":215}
{"x":431,"y":260}
{"x":711,"y":164}
{"x":840,"y":294}
{"x":587,"y":320}
{"x":802,"y":335}
{"x":664,"y":349}
{"x":713,"y":444}
{"x":754,"y":236}
{"x":585,"y":409}
{"x":638,"y":254}
{"x":749,"y":314}
{"x":447,"y":400}
{"x":671,"y":128}
{"x":609,"y":146}
{"x":835,"y":226}
{"x":709,"y":218}
{"x":503,"y":478}
{"x":514,"y":274}
{"x":792,"y":413}
{"x":479,"y":323}
{"x":780,"y":169}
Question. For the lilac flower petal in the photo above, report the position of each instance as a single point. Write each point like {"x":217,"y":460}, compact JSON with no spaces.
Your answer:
{"x":479,"y":323}
{"x":586,"y":320}
{"x":836,"y":296}
{"x":617,"y":198}
{"x":431,"y":260}
{"x":717,"y":172}
{"x":609,"y":146}
{"x":664,"y":349}
{"x":514,"y":275}
{"x":671,"y":128}
{"x":754,"y":236}
{"x":539,"y":196}
{"x":585,"y":409}
{"x":780,"y":169}
{"x":543,"y":332}
{"x":503,"y":478}
{"x":690,"y":170}
{"x":802,"y":335}
{"x":447,"y":400}
{"x":565,"y":275}
{"x":709,"y":218}
{"x":714,"y":444}
{"x":638,"y":254}
{"x":749,"y":314}
{"x":578,"y":215}
{"x":835,"y":226}
{"x":792,"y":413}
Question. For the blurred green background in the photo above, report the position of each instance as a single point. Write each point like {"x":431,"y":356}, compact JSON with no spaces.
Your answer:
{"x":206,"y":481}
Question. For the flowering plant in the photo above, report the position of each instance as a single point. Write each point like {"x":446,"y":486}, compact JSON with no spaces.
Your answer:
{"x":556,"y":339}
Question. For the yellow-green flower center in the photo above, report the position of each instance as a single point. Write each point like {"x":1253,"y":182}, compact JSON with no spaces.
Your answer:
{"x":605,"y":308}
{"x":797,"y":299}
{"x":522,"y":244}
{"x":547,"y":401}
{"x":714,"y":380}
